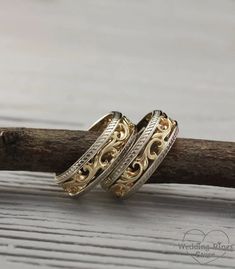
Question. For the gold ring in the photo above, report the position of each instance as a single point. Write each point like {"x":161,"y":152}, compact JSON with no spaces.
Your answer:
{"x":118,"y":134}
{"x":156,"y":135}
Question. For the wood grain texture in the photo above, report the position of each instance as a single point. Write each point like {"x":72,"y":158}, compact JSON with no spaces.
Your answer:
{"x":190,"y":161}
{"x":40,"y":226}
{"x":66,"y":63}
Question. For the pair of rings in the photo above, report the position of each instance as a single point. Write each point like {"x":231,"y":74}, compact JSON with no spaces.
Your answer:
{"x":123,"y":157}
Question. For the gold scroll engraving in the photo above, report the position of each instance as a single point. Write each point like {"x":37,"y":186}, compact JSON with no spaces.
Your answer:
{"x":102,"y":160}
{"x":137,"y":168}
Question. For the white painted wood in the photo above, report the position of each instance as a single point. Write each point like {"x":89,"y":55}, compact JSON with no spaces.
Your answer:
{"x":65,"y":63}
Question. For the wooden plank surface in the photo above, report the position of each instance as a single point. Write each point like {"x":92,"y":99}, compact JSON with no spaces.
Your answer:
{"x":65,"y":63}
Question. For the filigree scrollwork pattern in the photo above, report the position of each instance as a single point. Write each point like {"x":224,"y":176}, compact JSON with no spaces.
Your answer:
{"x":102,"y":160}
{"x":157,"y":143}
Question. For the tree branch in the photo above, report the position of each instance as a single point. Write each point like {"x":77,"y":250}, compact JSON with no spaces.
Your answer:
{"x":190,"y":161}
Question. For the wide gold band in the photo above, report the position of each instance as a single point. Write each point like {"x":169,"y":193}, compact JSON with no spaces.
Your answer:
{"x":117,"y":136}
{"x":157,"y":134}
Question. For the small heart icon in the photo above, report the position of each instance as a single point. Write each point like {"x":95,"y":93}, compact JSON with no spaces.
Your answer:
{"x":205,"y":247}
